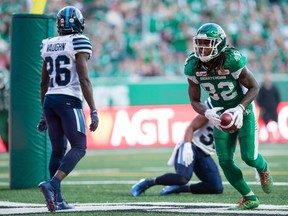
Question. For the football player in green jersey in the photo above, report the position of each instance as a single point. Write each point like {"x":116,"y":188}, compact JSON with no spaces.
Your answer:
{"x":221,"y":71}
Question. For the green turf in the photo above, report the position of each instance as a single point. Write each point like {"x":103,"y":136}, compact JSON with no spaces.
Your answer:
{"x":133,"y":164}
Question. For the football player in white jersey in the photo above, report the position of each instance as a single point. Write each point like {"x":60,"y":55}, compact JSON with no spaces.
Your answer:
{"x":193,"y":155}
{"x":64,"y":82}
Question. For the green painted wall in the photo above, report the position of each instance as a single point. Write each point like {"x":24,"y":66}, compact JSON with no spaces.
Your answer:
{"x":153,"y":91}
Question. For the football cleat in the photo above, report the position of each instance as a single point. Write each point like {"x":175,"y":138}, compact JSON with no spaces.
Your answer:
{"x":170,"y":190}
{"x":63,"y":205}
{"x":266,"y":181}
{"x":245,"y":203}
{"x":139,"y":188}
{"x":49,"y":193}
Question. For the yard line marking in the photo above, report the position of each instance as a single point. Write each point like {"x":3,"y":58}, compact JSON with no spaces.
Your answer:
{"x":131,"y":182}
{"x":7,"y":208}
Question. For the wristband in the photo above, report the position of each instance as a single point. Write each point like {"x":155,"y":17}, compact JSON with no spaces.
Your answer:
{"x":93,"y":111}
{"x":242,"y":107}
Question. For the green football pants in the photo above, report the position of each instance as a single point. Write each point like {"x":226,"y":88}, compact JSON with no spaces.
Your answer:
{"x":225,"y":144}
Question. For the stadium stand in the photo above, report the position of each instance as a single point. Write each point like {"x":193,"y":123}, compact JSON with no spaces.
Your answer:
{"x":153,"y":37}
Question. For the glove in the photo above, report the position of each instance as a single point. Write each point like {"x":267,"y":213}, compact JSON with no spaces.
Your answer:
{"x":238,"y":114}
{"x":94,"y":120}
{"x":42,"y":125}
{"x":187,"y":153}
{"x":212,"y":115}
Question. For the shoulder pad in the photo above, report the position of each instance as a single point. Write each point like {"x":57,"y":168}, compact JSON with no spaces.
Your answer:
{"x":81,"y":43}
{"x":234,"y":59}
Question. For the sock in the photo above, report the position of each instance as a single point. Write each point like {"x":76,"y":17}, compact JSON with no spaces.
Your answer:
{"x":171,"y":179}
{"x":265,"y":168}
{"x":55,"y":182}
{"x":184,"y":189}
{"x":150,"y":182}
{"x":252,"y":197}
{"x":59,"y":197}
{"x":249,"y":194}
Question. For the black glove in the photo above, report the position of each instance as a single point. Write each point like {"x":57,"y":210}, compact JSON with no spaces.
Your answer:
{"x":42,"y":125}
{"x":94,"y":120}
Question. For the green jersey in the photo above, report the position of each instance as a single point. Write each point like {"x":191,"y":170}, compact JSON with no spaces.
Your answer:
{"x":222,"y":87}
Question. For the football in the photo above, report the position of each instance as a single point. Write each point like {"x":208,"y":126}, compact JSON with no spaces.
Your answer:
{"x":227,"y":122}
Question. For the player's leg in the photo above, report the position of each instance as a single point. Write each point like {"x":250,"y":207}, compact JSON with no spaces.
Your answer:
{"x":225,"y":144}
{"x":232,"y":172}
{"x":74,"y":127}
{"x":181,"y":177}
{"x":57,"y":155}
{"x":177,"y":182}
{"x":54,"y":164}
{"x":183,"y":173}
{"x":248,"y":136}
{"x":207,"y":172}
{"x":225,"y":148}
{"x":266,"y":117}
{"x":55,"y":131}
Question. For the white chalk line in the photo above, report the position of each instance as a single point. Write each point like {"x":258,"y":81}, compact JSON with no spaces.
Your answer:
{"x":16,"y":208}
{"x":129,"y":182}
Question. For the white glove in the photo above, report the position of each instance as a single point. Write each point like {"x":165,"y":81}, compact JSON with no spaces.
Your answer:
{"x":212,"y":115}
{"x":238,"y":114}
{"x":187,"y":153}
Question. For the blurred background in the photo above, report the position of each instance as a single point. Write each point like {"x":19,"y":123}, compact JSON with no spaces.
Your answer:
{"x":135,"y":38}
{"x":140,"y":47}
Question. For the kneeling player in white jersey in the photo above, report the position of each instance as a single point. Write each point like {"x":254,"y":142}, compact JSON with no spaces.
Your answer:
{"x":193,"y":155}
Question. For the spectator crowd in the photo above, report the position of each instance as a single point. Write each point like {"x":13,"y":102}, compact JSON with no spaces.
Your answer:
{"x":153,"y":37}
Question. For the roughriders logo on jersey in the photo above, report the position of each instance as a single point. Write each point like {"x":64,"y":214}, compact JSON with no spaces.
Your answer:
{"x":201,"y":73}
{"x":225,"y":72}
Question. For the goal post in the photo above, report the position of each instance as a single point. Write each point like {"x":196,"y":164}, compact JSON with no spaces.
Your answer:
{"x":29,"y":149}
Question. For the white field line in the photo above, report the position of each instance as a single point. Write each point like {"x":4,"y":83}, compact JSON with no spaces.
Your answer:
{"x":8,"y":208}
{"x":129,"y":182}
{"x":133,"y":182}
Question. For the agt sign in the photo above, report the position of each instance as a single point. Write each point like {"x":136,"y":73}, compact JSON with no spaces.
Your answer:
{"x":138,"y":126}
{"x":142,"y":126}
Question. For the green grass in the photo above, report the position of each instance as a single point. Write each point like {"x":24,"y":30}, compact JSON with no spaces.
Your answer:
{"x":130,"y":165}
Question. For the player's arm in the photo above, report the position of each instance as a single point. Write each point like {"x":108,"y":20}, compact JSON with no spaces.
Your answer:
{"x":82,"y":71}
{"x":198,"y":122}
{"x":194,"y":92}
{"x":44,"y":81}
{"x":247,"y":79}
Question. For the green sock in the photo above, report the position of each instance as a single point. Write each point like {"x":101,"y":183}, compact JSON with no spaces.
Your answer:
{"x":252,"y":197}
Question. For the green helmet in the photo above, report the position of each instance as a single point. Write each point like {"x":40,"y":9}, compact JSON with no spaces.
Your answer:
{"x":209,"y":41}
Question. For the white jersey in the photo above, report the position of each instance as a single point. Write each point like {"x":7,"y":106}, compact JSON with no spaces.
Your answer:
{"x":203,"y":138}
{"x":59,"y":53}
